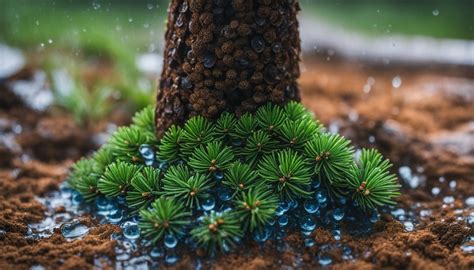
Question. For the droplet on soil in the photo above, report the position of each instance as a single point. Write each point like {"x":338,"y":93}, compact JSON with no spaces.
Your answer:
{"x":448,"y":199}
{"x":338,"y":214}
{"x":409,"y":226}
{"x":131,"y":232}
{"x":74,"y":229}
{"x":311,"y":206}
{"x":470,"y":201}
{"x":170,"y":241}
{"x":324,"y":260}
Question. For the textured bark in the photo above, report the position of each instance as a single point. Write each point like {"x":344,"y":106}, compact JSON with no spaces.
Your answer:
{"x":231,"y":55}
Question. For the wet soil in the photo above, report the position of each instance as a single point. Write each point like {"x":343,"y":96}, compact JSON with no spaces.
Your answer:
{"x":425,"y":124}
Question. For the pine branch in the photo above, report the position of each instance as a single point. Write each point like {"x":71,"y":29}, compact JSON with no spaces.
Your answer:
{"x":256,"y":207}
{"x":84,"y":178}
{"x":217,"y":231}
{"x":117,"y":178}
{"x":258,"y":144}
{"x":145,"y":119}
{"x":197,"y":132}
{"x":225,"y":125}
{"x":170,"y":144}
{"x":212,"y":158}
{"x":166,"y":216}
{"x":126,"y":141}
{"x":245,"y":126}
{"x":240,"y":177}
{"x":288,"y":172}
{"x":295,"y":134}
{"x":146,"y":187}
{"x":370,"y":182}
{"x":189,"y":188}
{"x":331,"y":155}
{"x":270,"y":117}
{"x":295,"y":111}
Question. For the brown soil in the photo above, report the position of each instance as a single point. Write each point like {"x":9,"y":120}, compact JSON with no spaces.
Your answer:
{"x":426,"y":123}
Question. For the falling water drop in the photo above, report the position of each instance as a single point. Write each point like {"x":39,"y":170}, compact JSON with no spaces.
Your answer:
{"x":396,"y":81}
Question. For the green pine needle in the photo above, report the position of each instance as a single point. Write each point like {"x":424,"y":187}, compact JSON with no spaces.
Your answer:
{"x":370,"y":181}
{"x":245,"y":126}
{"x":189,"y":188}
{"x":84,"y":178}
{"x":296,"y":111}
{"x":103,"y":157}
{"x":218,"y":231}
{"x":295,"y":134}
{"x":166,"y":216}
{"x":331,"y":155}
{"x":146,"y":187}
{"x":145,"y":119}
{"x":197,"y":131}
{"x":225,"y":126}
{"x":117,"y":178}
{"x":170,"y":144}
{"x":126,"y":141}
{"x":214,"y":157}
{"x":288,"y":172}
{"x":240,"y":177}
{"x":258,"y":144}
{"x":270,"y":117}
{"x":256,"y":207}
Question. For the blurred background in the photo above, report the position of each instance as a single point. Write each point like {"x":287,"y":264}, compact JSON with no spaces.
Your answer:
{"x":94,"y":57}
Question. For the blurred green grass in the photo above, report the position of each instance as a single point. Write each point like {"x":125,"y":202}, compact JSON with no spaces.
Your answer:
{"x":435,"y":18}
{"x":76,"y":35}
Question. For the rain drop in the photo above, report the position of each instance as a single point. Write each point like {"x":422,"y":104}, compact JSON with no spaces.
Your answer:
{"x":435,"y":12}
{"x":396,"y":82}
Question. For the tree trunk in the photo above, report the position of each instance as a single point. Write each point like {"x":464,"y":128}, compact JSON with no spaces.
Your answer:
{"x":227,"y":55}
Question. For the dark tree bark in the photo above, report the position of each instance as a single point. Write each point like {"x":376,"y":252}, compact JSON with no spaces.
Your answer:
{"x":229,"y":55}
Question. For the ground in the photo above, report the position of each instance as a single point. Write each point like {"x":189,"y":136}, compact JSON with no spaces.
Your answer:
{"x":424,"y":123}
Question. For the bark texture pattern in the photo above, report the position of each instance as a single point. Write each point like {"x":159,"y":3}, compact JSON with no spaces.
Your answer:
{"x":229,"y":55}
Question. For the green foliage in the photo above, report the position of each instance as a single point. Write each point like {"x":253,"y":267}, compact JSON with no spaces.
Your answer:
{"x":263,"y":159}
{"x":166,"y":216}
{"x":145,"y":119}
{"x":117,"y":178}
{"x":245,"y":126}
{"x":288,"y":172}
{"x":196,"y":132}
{"x":296,"y":111}
{"x":240,"y":177}
{"x":126,"y":141}
{"x":218,"y":232}
{"x":212,"y":158}
{"x":331,"y":156}
{"x":258,"y":144}
{"x":103,"y":157}
{"x":189,"y":188}
{"x":84,"y":178}
{"x":270,"y":118}
{"x":170,"y":145}
{"x":295,"y":134}
{"x":225,"y":126}
{"x":256,"y":207}
{"x":146,"y":187}
{"x":370,"y":182}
